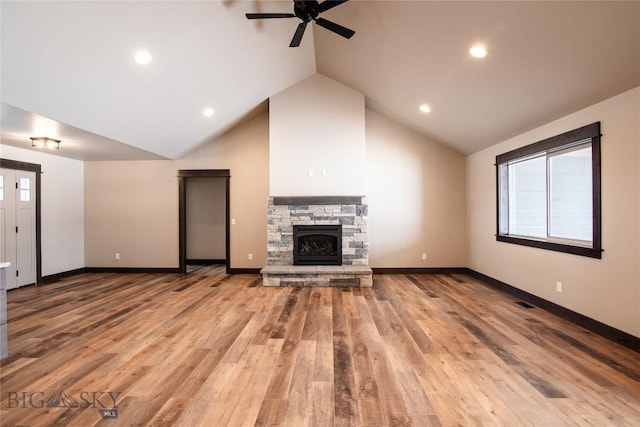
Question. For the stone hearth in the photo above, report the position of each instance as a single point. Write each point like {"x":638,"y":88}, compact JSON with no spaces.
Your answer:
{"x":351,"y":212}
{"x":317,"y":275}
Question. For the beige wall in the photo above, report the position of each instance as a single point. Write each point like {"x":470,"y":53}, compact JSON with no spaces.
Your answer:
{"x":415,"y":187}
{"x":132,"y":207}
{"x":317,"y":124}
{"x":245,"y":152}
{"x":607,"y":290}
{"x":416,"y":191}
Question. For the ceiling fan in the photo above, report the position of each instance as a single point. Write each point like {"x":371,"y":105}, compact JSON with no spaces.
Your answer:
{"x":307,"y":11}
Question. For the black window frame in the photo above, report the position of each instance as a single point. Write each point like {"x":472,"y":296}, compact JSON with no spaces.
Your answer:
{"x":555,"y":143}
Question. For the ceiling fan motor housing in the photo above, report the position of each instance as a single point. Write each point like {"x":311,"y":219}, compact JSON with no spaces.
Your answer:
{"x":305,"y":10}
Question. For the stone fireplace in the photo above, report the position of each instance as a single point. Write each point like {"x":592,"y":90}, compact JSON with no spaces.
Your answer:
{"x":331,"y":243}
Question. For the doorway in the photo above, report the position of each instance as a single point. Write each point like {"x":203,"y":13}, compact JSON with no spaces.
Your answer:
{"x":204,"y":217}
{"x":20,"y":222}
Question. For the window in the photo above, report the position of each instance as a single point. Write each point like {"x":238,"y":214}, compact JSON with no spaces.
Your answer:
{"x":25,"y":189}
{"x":549,"y":193}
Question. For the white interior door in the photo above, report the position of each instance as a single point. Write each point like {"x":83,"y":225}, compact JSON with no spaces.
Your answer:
{"x":7,"y":225}
{"x":18,"y":226}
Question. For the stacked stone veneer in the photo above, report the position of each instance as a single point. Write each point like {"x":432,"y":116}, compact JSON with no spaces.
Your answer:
{"x":349,"y":211}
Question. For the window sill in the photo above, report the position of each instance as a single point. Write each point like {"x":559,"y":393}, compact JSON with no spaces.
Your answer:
{"x":551,"y":246}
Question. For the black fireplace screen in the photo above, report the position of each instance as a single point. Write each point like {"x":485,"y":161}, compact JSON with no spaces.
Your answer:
{"x":317,"y":245}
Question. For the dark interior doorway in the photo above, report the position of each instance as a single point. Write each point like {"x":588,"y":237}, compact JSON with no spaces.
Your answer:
{"x":184,"y":178}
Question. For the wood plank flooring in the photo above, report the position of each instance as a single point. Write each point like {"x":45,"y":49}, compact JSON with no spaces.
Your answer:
{"x":207,"y":349}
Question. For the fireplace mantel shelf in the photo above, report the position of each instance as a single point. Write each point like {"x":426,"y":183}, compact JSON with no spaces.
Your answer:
{"x":317,"y":200}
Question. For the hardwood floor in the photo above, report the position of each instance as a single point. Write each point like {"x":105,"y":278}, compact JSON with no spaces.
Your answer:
{"x":207,"y":349}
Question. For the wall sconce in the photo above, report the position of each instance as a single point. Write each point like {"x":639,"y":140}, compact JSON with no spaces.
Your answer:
{"x":45,"y":142}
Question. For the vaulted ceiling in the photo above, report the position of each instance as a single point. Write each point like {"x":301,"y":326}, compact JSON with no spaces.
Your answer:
{"x":68,"y":68}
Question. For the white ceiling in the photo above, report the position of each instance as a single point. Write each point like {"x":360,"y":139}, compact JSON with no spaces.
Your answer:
{"x":71,"y":65}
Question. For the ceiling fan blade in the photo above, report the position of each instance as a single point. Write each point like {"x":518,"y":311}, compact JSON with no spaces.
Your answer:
{"x":338,"y":29}
{"x":269,"y":15}
{"x":328,"y":4}
{"x":297,"y":37}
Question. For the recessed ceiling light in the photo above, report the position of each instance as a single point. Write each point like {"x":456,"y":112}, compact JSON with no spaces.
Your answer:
{"x":478,"y":51}
{"x":425,"y":108}
{"x":143,"y":57}
{"x":208,"y":112}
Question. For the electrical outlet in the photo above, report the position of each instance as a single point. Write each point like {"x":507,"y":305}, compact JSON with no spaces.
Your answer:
{"x":424,"y":257}
{"x":233,"y":221}
{"x":250,"y":256}
{"x":117,"y":255}
{"x":558,"y":286}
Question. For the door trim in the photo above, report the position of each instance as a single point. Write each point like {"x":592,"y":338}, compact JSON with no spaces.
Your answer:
{"x":31,"y":167}
{"x":183,"y":174}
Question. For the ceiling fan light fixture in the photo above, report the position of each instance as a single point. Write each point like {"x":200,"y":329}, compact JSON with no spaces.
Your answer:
{"x":425,"y":108}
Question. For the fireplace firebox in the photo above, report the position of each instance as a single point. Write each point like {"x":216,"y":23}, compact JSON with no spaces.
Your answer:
{"x":317,"y":245}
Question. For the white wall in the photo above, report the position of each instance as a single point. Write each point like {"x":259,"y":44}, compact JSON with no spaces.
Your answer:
{"x":416,"y":192}
{"x":62,"y":199}
{"x":317,"y":124}
{"x":607,"y":290}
